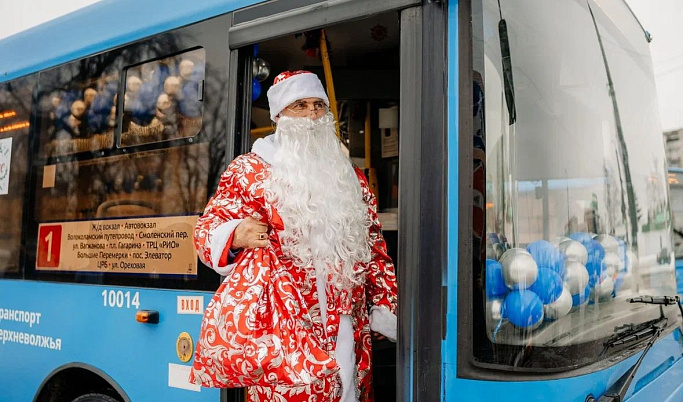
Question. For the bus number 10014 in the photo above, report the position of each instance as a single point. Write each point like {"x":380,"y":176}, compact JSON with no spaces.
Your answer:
{"x":119,"y":299}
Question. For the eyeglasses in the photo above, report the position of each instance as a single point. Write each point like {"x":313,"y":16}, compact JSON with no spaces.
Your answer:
{"x":302,"y":106}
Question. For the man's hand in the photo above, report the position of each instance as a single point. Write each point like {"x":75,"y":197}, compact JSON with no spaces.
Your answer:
{"x":250,"y":233}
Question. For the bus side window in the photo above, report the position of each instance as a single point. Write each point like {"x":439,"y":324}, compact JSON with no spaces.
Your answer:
{"x":15,"y":104}
{"x":163,"y":99}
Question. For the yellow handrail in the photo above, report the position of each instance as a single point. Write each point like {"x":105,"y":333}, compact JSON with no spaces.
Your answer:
{"x":327,"y":68}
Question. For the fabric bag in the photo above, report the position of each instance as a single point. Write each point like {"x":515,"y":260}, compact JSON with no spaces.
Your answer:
{"x":257,"y":331}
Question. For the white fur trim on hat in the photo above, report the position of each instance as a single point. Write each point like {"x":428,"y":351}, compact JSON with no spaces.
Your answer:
{"x":297,"y":86}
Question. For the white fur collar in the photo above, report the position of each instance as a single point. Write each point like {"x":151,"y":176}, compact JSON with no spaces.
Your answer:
{"x":265,"y":148}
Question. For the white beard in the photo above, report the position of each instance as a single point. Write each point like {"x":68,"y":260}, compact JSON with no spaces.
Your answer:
{"x":314,"y":188}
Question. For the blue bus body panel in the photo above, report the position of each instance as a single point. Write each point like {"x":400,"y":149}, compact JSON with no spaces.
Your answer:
{"x":98,"y":27}
{"x":679,"y":276}
{"x":135,"y":355}
{"x":667,"y":384}
{"x":660,"y":374}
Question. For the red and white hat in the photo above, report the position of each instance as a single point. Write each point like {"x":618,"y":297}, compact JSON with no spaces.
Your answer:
{"x":290,"y":86}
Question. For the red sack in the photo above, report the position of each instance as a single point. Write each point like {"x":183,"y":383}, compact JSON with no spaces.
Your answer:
{"x":257,"y":330}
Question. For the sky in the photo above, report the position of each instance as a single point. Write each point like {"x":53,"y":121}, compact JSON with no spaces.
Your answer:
{"x":662,"y":18}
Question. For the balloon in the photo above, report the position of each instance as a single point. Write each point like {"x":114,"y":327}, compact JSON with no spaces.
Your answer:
{"x":255,"y":89}
{"x":606,"y":291}
{"x":519,"y":268}
{"x":260,"y":69}
{"x":494,"y":312}
{"x":559,"y":308}
{"x":523,"y":308}
{"x":603,"y":291}
{"x":594,"y":268}
{"x":548,"y":286}
{"x":576,"y":278}
{"x":547,"y":256}
{"x":594,"y":248}
{"x":574,"y":251}
{"x":611,"y":264}
{"x":581,"y":298}
{"x":556,"y":241}
{"x":581,"y":237}
{"x":608,"y":242}
{"x":495,"y":284}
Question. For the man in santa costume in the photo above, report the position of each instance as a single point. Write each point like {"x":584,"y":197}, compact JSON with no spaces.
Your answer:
{"x":297,"y":192}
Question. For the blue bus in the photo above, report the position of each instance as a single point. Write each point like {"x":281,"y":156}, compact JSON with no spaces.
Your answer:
{"x":518,"y":162}
{"x":676,"y":194}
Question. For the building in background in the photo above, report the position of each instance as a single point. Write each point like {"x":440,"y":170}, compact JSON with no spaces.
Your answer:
{"x":674,"y":147}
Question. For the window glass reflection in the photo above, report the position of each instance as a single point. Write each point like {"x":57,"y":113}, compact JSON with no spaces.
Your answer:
{"x":170,"y":181}
{"x":576,"y":213}
{"x":76,"y":110}
{"x":163,"y":99}
{"x":15,"y":104}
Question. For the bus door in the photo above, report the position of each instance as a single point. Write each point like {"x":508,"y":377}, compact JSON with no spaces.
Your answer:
{"x":360,"y":52}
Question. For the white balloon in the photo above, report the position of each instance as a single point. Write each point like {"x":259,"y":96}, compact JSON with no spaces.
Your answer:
{"x":576,"y":277}
{"x":556,"y":241}
{"x":574,"y":251}
{"x":605,"y":289}
{"x":494,"y":312}
{"x":560,"y":307}
{"x":611,"y":264}
{"x":509,"y":253}
{"x":608,"y":242}
{"x":519,"y":268}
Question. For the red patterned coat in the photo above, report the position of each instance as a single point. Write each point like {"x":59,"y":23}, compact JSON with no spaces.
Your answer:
{"x":240,"y":194}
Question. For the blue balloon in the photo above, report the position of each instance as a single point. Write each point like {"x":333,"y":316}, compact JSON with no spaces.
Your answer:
{"x":622,"y":248}
{"x":594,"y":268}
{"x":548,"y":285}
{"x":495,"y":284}
{"x":523,"y":308}
{"x":623,"y":255}
{"x":255,"y":89}
{"x":579,"y":299}
{"x":594,"y":247}
{"x":582,"y":237}
{"x":547,"y":256}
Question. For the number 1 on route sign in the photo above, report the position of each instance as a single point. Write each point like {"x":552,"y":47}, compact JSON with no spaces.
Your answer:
{"x":49,"y":246}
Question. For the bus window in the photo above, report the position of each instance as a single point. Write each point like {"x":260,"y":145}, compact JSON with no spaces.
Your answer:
{"x":76,"y":110}
{"x":119,"y":192}
{"x":575,"y":215}
{"x":163,"y":99}
{"x":15,"y":104}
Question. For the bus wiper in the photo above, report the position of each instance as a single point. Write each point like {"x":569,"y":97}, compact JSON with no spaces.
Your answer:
{"x":617,"y":391}
{"x":663,"y":300}
{"x":507,"y":67}
{"x":631,"y":333}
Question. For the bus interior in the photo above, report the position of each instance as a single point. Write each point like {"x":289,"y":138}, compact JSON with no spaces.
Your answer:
{"x":364,"y":66}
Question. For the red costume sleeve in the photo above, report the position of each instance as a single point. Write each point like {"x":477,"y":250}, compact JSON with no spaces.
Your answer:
{"x":380,"y":282}
{"x":227,"y":204}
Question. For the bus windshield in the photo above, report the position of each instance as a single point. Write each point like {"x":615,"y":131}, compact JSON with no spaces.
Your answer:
{"x":576,"y":208}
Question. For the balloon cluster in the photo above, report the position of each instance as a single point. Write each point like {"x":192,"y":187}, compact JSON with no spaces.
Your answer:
{"x":546,"y":280}
{"x":260,"y":71}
